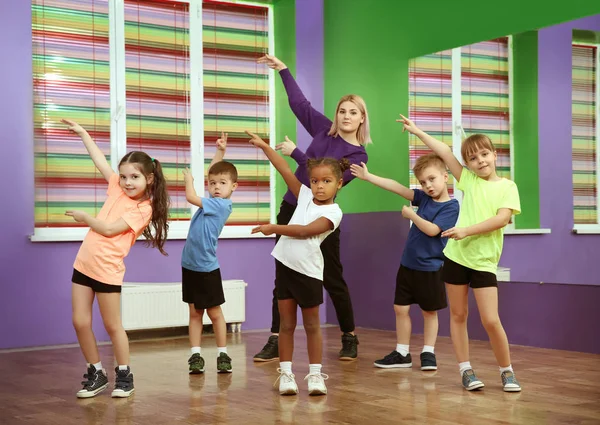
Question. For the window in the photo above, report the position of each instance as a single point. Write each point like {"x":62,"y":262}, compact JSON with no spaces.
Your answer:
{"x":459,"y":92}
{"x":585,"y":135}
{"x":162,"y":76}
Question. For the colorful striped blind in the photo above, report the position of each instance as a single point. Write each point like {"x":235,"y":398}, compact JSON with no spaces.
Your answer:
{"x":157,"y":73}
{"x":70,"y":80}
{"x":430,"y":104}
{"x":236,"y":98}
{"x":584,"y":132}
{"x":485,"y":96}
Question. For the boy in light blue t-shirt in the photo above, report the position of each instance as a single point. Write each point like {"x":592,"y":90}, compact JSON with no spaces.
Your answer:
{"x":202,"y":286}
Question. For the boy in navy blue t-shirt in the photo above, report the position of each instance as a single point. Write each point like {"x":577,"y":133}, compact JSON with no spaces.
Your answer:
{"x":202,"y":286}
{"x":419,"y":280}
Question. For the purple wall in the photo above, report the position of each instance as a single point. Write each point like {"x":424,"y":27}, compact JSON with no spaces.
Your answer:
{"x":559,"y":257}
{"x":35,"y":277}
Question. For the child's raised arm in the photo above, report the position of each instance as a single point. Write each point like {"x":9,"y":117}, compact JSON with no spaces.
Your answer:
{"x":95,"y":153}
{"x":220,"y":153}
{"x":278,"y":162}
{"x":440,"y":148}
{"x":362,"y":173}
{"x":190,"y":193}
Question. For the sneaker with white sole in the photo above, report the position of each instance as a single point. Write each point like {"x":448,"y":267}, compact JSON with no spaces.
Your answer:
{"x":509,"y":382}
{"x":316,"y":383}
{"x":96,"y":382}
{"x":470,"y":381}
{"x":123,"y":383}
{"x":287,"y":383}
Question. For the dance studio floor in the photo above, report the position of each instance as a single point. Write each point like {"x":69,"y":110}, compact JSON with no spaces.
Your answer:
{"x":38,"y":387}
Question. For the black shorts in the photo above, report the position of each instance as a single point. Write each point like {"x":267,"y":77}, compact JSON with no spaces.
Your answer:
{"x":81,"y":279}
{"x":203,"y":289}
{"x":289,"y":284}
{"x":420,"y":287}
{"x":457,"y":274}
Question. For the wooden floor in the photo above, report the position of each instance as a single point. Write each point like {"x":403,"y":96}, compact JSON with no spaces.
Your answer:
{"x":559,"y":387}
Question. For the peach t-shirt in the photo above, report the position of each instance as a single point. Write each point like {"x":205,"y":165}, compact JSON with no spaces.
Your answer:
{"x":101,"y":257}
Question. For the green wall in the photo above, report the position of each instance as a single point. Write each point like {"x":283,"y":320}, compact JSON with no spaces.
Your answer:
{"x":284,"y":19}
{"x":525,"y":127}
{"x":367,"y":48}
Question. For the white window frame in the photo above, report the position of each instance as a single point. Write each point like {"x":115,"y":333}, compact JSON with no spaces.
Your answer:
{"x":118,"y":109}
{"x":593,"y":228}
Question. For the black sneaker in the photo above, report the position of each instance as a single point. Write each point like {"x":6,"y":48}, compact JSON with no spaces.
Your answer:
{"x":196,"y":363}
{"x":270,"y":351}
{"x":394,"y":360}
{"x":428,"y":361}
{"x":123,"y":383}
{"x":224,"y":363}
{"x":349,"y":349}
{"x":96,"y":382}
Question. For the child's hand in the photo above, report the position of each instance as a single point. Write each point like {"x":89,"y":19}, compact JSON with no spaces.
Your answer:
{"x":256,"y":140}
{"x":222,"y":142}
{"x":74,"y":127}
{"x":272,"y":62}
{"x":456,"y":233}
{"x":187,"y":176}
{"x":286,"y":147}
{"x":76,"y":214}
{"x":361,"y":171}
{"x":408,"y":212}
{"x":408,"y":125}
{"x":265,"y":229}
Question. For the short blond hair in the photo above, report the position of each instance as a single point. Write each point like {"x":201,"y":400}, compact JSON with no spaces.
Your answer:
{"x":429,"y":160}
{"x":362,"y":133}
{"x":473,"y":144}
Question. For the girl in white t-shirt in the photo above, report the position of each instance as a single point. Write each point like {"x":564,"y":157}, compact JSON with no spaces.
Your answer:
{"x":299,"y":265}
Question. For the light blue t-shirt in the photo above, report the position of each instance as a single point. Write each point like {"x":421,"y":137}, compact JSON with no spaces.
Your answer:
{"x":200,"y":250}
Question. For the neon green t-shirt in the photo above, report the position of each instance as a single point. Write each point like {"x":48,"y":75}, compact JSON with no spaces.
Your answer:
{"x":482,"y":200}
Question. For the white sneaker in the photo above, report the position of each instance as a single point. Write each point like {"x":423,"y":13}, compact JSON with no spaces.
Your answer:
{"x":316,"y":383}
{"x":287,"y":383}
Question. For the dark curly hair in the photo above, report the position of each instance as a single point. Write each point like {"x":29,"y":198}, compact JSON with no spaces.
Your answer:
{"x":338,"y":166}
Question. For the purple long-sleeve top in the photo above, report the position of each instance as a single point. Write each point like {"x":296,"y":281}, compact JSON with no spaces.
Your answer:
{"x":322,"y":145}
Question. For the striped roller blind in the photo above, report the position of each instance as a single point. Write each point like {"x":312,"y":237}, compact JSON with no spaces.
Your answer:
{"x":430,"y":104}
{"x":157,"y":68}
{"x":485,"y":96}
{"x":70,"y":80}
{"x":236,"y":98}
{"x":584,"y":131}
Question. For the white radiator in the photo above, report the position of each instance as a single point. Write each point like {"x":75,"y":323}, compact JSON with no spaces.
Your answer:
{"x":159,"y":305}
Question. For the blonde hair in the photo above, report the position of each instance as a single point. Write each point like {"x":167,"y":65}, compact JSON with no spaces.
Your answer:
{"x":474,"y":143}
{"x":429,"y":160}
{"x":362,"y":133}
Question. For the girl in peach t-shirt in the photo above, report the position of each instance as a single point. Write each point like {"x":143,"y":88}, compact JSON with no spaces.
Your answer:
{"x":137,"y":200}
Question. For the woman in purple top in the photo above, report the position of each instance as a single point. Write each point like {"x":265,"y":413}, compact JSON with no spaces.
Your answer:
{"x":345,"y":137}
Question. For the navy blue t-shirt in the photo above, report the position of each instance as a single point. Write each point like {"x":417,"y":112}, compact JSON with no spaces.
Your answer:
{"x":424,"y":252}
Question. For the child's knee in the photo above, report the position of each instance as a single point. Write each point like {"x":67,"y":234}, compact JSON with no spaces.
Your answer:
{"x":215,"y":313}
{"x":459,"y":314}
{"x":196,"y":315}
{"x":81,"y":322}
{"x":430,"y":315}
{"x":401,"y":310}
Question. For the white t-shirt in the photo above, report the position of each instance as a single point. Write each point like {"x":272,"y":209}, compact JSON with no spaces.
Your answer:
{"x":304,"y":254}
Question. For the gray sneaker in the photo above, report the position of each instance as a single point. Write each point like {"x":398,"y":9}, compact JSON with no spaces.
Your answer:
{"x":470,"y":381}
{"x":509,"y":382}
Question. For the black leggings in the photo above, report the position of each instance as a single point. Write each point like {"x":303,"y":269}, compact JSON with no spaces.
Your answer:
{"x":333,"y":279}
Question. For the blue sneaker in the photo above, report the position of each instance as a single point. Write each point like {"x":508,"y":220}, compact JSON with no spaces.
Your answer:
{"x":509,"y":382}
{"x":470,"y":381}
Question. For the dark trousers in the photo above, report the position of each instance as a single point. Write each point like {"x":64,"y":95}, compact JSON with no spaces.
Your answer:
{"x":333,"y":279}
